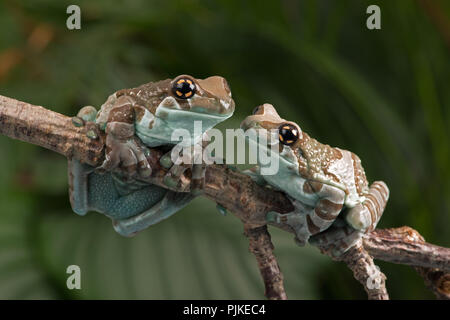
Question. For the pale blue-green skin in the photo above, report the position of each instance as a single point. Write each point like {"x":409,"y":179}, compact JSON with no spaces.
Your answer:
{"x":287,"y":179}
{"x":135,"y":206}
{"x":167,"y":120}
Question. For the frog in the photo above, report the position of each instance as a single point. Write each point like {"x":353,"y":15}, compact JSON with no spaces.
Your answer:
{"x":334,"y":204}
{"x":132,"y":122}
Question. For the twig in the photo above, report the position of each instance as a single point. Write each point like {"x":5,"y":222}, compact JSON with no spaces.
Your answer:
{"x":261,"y":246}
{"x":366,"y":272}
{"x":240,"y":195}
{"x":405,"y":245}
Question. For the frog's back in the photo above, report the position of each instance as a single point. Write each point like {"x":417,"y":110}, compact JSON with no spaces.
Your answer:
{"x":361,"y":182}
{"x":148,"y":96}
{"x":336,"y":167}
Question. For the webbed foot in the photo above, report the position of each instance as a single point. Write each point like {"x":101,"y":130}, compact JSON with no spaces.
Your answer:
{"x":128,"y":155}
{"x":179,"y":162}
{"x":296,"y":220}
{"x":337,"y":239}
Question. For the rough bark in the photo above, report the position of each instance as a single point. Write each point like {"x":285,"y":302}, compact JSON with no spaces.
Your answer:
{"x":261,"y":246}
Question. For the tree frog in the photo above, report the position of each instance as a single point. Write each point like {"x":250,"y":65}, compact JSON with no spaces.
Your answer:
{"x":321,"y":181}
{"x":135,"y":119}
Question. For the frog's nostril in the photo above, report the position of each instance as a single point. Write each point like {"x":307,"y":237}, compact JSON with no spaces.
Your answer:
{"x":226,"y":87}
{"x":259,"y":110}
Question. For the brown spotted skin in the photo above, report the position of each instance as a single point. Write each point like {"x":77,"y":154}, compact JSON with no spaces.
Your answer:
{"x":335,"y":176}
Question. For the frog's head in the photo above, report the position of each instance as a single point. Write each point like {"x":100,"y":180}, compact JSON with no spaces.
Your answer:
{"x":210,"y":96}
{"x":179,"y":103}
{"x":286,"y":135}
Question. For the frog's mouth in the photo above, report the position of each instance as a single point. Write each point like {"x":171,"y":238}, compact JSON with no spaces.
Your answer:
{"x":171,"y":126}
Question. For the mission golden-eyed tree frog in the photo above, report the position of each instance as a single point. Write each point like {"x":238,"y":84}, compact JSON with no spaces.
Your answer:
{"x":321,"y":181}
{"x":135,"y":119}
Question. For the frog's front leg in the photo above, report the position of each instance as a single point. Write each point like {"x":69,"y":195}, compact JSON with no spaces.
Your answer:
{"x":178,"y":161}
{"x":123,"y":149}
{"x":309,"y":220}
{"x":255,"y":174}
{"x":360,"y":219}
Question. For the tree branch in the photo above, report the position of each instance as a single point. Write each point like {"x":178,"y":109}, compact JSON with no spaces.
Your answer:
{"x":405,"y":245}
{"x":246,"y":199}
{"x":261,"y":246}
{"x":366,"y":272}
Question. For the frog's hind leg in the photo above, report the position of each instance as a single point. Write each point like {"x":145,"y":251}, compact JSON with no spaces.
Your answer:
{"x":78,"y":186}
{"x":365,"y":216}
{"x":167,"y":206}
{"x":79,"y":172}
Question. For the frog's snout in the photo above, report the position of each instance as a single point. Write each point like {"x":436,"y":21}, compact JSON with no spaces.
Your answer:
{"x":218,"y":87}
{"x":263,"y":113}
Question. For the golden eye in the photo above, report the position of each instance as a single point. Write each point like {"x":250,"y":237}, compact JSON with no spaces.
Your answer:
{"x":288,"y":134}
{"x":183,"y":88}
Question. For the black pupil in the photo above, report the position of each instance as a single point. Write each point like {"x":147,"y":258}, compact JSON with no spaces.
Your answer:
{"x":288,"y":133}
{"x":184,"y":88}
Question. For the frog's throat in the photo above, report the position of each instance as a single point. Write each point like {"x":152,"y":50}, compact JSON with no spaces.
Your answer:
{"x":166,"y":121}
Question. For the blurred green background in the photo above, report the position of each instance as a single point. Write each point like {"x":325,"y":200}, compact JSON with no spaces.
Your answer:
{"x":384,"y":94}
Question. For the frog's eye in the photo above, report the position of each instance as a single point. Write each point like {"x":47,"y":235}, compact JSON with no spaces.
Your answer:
{"x":183,"y":88}
{"x":288,"y":134}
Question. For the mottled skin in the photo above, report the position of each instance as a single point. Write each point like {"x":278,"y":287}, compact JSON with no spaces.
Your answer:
{"x":321,"y":181}
{"x":133,"y":120}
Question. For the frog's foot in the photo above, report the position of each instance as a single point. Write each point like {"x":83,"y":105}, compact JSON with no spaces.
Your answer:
{"x":86,"y":118}
{"x":254,"y":173}
{"x":178,"y":163}
{"x":86,"y":114}
{"x":128,"y":155}
{"x":337,"y":239}
{"x":297,"y":220}
{"x":170,"y":204}
{"x":365,"y":216}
